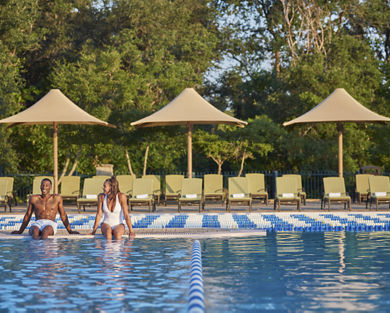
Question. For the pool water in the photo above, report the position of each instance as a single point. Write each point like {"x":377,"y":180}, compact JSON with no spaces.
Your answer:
{"x":298,"y":272}
{"x":93,"y":275}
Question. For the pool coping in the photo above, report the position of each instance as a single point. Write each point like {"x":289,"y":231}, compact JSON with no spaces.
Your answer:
{"x":195,"y":233}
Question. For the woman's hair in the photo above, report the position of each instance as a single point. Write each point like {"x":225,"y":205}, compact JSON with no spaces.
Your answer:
{"x":114,"y":187}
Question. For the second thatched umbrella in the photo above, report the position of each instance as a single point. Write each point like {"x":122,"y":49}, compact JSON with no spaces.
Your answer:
{"x":339,"y":107}
{"x":54,"y":108}
{"x":188,"y":108}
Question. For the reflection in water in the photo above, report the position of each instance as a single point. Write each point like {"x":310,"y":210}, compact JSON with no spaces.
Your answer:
{"x":341,"y":241}
{"x":298,"y":272}
{"x":94,"y":275}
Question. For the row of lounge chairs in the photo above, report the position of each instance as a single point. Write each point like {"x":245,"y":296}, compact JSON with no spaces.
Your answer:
{"x":373,"y":189}
{"x":146,"y":191}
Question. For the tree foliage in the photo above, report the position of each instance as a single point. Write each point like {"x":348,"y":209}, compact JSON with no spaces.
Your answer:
{"x":121,"y":60}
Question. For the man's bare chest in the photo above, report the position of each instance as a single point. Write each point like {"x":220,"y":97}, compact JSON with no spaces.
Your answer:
{"x":46,"y":205}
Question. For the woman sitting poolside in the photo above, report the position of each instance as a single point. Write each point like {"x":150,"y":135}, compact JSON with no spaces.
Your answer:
{"x":113,"y":204}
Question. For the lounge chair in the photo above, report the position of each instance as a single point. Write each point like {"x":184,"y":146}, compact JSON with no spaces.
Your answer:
{"x":191,"y":193}
{"x":379,"y":190}
{"x":238,"y":192}
{"x":301,"y":192}
{"x":287,"y":192}
{"x":70,"y":188}
{"x":6,"y":192}
{"x":126,"y":184}
{"x":10,"y":191}
{"x":213,"y":188}
{"x":362,"y":189}
{"x":92,"y":188}
{"x":156,"y":186}
{"x":36,"y":190}
{"x":334,"y":191}
{"x":256,"y":186}
{"x":142,"y":193}
{"x":101,"y":178}
{"x":172,"y":187}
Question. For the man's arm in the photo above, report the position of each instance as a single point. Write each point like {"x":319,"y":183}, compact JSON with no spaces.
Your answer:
{"x":64,"y":216}
{"x":98,"y":213}
{"x":26,"y":218}
{"x":125,"y":210}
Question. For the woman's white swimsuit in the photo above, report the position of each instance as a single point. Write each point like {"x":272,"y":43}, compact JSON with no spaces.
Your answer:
{"x":115,"y":217}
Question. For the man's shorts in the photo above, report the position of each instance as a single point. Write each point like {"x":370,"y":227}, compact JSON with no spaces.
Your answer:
{"x":41,"y":224}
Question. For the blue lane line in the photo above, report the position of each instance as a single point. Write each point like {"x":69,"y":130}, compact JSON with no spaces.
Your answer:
{"x":195,"y":293}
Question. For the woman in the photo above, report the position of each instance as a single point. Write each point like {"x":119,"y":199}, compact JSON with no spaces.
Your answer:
{"x":113,"y":204}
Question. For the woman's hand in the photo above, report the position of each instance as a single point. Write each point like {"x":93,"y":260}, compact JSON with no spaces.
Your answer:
{"x":131,"y":234}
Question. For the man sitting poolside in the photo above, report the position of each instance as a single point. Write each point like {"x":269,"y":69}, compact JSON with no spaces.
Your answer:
{"x":45,"y":206}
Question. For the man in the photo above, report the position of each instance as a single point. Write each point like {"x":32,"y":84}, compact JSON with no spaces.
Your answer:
{"x":45,"y":206}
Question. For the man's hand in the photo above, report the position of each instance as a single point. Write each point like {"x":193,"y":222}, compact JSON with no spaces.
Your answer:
{"x":91,"y":234}
{"x":73,"y":232}
{"x":131,"y":234}
{"x":16,"y":232}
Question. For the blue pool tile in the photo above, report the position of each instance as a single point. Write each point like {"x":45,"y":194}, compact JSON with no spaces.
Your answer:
{"x":210,"y":221}
{"x":243,"y":221}
{"x":177,"y":222}
{"x":146,"y":221}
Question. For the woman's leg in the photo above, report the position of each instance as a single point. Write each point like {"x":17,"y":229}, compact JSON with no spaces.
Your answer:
{"x":106,"y":231}
{"x":119,"y":231}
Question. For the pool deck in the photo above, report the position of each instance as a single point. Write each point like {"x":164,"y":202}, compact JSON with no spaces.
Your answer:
{"x":312,"y":205}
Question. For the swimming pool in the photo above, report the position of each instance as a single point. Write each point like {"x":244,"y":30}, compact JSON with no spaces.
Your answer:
{"x":280,"y":272}
{"x":298,"y":272}
{"x":93,"y":275}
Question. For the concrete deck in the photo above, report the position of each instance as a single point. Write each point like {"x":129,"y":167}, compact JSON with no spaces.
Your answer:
{"x":312,"y":205}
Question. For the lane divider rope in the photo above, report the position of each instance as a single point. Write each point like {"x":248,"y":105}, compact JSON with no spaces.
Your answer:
{"x":195,"y":294}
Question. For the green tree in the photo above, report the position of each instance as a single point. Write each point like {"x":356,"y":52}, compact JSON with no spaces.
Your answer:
{"x":215,"y":147}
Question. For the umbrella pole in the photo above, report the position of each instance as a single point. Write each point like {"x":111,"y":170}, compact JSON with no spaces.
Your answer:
{"x":55,"y":156}
{"x":340,"y":129}
{"x":189,"y":150}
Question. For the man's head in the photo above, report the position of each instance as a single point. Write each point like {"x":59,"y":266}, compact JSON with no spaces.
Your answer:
{"x":46,"y":186}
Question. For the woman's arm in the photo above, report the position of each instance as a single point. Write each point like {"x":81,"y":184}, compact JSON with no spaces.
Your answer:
{"x":98,"y":213}
{"x":125,"y":210}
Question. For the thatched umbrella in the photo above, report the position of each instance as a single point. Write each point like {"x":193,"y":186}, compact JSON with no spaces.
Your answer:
{"x":339,"y":107}
{"x":54,"y":108}
{"x":188,"y":108}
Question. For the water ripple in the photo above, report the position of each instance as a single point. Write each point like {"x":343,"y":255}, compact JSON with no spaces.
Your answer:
{"x":94,"y":275}
{"x":298,"y":272}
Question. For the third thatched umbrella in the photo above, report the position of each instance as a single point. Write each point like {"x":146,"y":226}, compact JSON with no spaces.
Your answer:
{"x":339,"y":107}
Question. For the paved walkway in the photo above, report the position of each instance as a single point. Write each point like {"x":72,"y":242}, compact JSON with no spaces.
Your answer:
{"x":311,"y":206}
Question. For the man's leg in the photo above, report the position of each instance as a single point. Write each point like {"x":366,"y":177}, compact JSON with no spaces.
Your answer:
{"x":47,"y":231}
{"x":119,"y":231}
{"x":106,"y":231}
{"x":34,"y":232}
